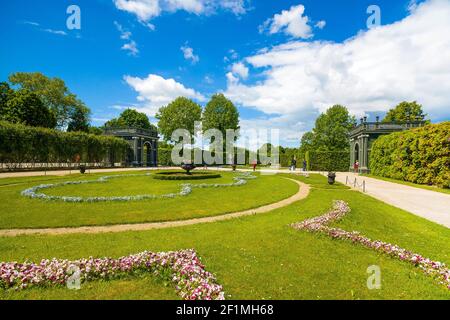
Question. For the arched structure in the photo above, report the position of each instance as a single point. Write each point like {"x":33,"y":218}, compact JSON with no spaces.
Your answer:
{"x":143,"y":144}
{"x":363,"y":135}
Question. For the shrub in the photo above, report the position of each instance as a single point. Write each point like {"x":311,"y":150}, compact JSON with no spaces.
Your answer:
{"x":183,"y":176}
{"x":419,"y":155}
{"x":23,"y":144}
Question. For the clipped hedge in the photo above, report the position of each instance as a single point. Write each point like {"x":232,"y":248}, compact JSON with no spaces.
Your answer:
{"x":183,"y":176}
{"x":21,"y":144}
{"x":164,"y":157}
{"x":329,"y":160}
{"x":419,"y":155}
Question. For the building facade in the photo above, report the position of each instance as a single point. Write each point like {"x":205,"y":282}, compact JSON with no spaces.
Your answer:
{"x":143,"y":143}
{"x":363,"y":135}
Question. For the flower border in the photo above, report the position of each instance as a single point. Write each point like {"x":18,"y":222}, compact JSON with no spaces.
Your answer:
{"x":435,"y":269}
{"x":185,"y":190}
{"x":187,"y":273}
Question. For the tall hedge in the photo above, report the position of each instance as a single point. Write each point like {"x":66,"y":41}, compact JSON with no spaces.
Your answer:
{"x":419,"y":155}
{"x":22,"y":144}
{"x":164,"y":157}
{"x":329,"y":160}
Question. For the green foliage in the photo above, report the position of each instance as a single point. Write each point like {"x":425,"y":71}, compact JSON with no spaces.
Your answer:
{"x":24,"y":144}
{"x":317,"y":160}
{"x":329,"y":160}
{"x":220,"y":113}
{"x":5,"y":94}
{"x":130,"y":118}
{"x":331,"y":130}
{"x":330,"y":134}
{"x":95,"y":131}
{"x":79,"y":119}
{"x":23,"y":106}
{"x":183,"y":176}
{"x":164,"y":156}
{"x":405,"y":112}
{"x":53,"y":93}
{"x":179,"y":114}
{"x":420,"y":155}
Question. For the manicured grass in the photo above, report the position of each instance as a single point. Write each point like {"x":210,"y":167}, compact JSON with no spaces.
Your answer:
{"x":17,"y":211}
{"x":126,"y":289}
{"x":262,"y":257}
{"x":421,"y":186}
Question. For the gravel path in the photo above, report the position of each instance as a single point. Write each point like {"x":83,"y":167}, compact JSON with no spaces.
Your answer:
{"x":301,"y":194}
{"x":431,"y":205}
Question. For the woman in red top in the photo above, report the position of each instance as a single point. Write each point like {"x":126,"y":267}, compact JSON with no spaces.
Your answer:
{"x":356,"y":166}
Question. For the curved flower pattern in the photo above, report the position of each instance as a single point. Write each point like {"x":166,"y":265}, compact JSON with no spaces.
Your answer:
{"x":185,"y":190}
{"x":432,"y":268}
{"x":187,"y":273}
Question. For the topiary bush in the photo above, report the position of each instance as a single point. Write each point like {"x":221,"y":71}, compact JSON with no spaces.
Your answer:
{"x":419,"y":155}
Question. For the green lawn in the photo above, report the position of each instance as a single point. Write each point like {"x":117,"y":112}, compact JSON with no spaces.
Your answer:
{"x":262,"y":257}
{"x":17,"y":211}
{"x":421,"y":186}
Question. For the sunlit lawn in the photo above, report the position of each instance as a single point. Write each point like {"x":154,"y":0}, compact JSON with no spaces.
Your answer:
{"x":262,"y":257}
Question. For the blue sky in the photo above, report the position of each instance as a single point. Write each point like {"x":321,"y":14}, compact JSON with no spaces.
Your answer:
{"x":138,"y":56}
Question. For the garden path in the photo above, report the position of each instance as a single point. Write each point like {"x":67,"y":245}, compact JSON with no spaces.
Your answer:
{"x":428,"y":204}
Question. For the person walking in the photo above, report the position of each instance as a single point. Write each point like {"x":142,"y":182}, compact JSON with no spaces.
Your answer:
{"x":304,"y":165}
{"x":293,"y":164}
{"x":254,"y":163}
{"x":356,"y":166}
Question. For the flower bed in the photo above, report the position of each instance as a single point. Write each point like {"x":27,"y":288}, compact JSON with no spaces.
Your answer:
{"x":435,"y":269}
{"x":177,"y":175}
{"x":185,"y":189}
{"x":183,"y":268}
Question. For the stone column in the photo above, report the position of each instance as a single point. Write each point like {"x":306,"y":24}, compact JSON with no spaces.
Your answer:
{"x":135,"y":149}
{"x":364,"y":148}
{"x":352,"y":153}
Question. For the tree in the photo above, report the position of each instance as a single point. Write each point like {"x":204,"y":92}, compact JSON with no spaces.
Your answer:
{"x":306,"y":143}
{"x":79,"y":118}
{"x":179,"y":114}
{"x":331,"y":129}
{"x":220,"y":113}
{"x":130,"y":118}
{"x":405,"y":112}
{"x":330,"y":132}
{"x":95,"y":131}
{"x":5,"y":94}
{"x":53,"y":93}
{"x":26,"y":108}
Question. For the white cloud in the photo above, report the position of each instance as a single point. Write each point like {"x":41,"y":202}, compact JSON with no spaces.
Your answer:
{"x":124,"y":34}
{"x":131,"y":45}
{"x":156,"y":91}
{"x":321,"y":24}
{"x":58,"y":32}
{"x":207,"y":79}
{"x":193,"y":6}
{"x":188,"y":54}
{"x":292,"y":22}
{"x":373,"y":71}
{"x":240,"y":69}
{"x":48,"y":30}
{"x":145,"y":10}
